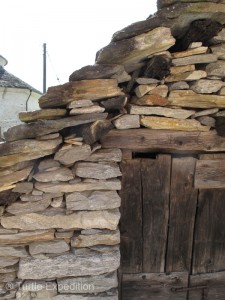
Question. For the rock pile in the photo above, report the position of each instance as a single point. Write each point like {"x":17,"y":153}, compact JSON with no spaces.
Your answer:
{"x":59,"y":205}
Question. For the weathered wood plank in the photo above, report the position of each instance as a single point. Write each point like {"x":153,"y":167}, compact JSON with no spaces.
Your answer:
{"x":131,"y":219}
{"x":210,"y":174}
{"x":154,"y":286}
{"x":156,"y":186}
{"x":164,"y":140}
{"x":183,"y":201}
{"x":215,"y":283}
{"x":209,"y":246}
{"x":211,"y":156}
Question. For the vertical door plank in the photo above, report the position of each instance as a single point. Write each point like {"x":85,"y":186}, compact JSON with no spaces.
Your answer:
{"x":183,"y":202}
{"x":131,"y":217}
{"x":156,"y":186}
{"x":209,"y":247}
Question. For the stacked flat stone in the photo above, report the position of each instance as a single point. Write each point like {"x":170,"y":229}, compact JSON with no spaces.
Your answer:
{"x":59,"y":201}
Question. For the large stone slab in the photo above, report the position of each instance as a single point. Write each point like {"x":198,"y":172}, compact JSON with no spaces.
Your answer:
{"x":19,"y":208}
{"x":48,"y":247}
{"x":91,"y":263}
{"x":59,"y":174}
{"x":186,"y":76}
{"x":136,"y":49}
{"x":96,"y":200}
{"x":150,"y":100}
{"x":104,"y":237}
{"x":95,"y":284}
{"x":190,"y":52}
{"x":114,"y":155}
{"x":84,"y":219}
{"x":10,"y":251}
{"x":127,"y":122}
{"x":8,"y":261}
{"x":43,"y":114}
{"x":72,"y":154}
{"x":97,"y":170}
{"x":161,"y":111}
{"x":187,"y":98}
{"x":95,"y":89}
{"x":27,"y":237}
{"x":205,"y":86}
{"x":195,"y":59}
{"x":32,"y":130}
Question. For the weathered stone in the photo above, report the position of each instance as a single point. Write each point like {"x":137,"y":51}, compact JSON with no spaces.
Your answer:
{"x":191,"y":99}
{"x":9,"y":180}
{"x":69,"y":265}
{"x":205,"y":112}
{"x":43,"y":114}
{"x":27,"y":237}
{"x":150,"y":100}
{"x":136,"y":49}
{"x":33,"y":198}
{"x":222,"y":92}
{"x":82,"y":297}
{"x":143,"y":80}
{"x":39,"y":128}
{"x":172,"y":124}
{"x":47,"y":137}
{"x":208,"y":121}
{"x":114,"y":155}
{"x":103,"y":238}
{"x":37,"y":290}
{"x":7,"y":277}
{"x":161,"y":111}
{"x":179,"y":85}
{"x":10,"y":251}
{"x":127,"y":122}
{"x":19,"y":208}
{"x":219,"y":50}
{"x":93,"y":284}
{"x":182,"y":69}
{"x":161,"y":90}
{"x":60,"y":174}
{"x":57,"y":202}
{"x":17,"y":167}
{"x":76,"y":90}
{"x":84,"y":219}
{"x":48,"y":163}
{"x":5,"y":262}
{"x":7,"y":231}
{"x":23,"y":187}
{"x":80,"y":103}
{"x":64,"y":235}
{"x":187,"y":76}
{"x":98,"y":72}
{"x":216,"y":69}
{"x":117,"y":103}
{"x":190,"y":52}
{"x":97,"y":170}
{"x":143,"y":89}
{"x":195,"y":45}
{"x":220,"y":37}
{"x":48,"y":247}
{"x":73,"y":154}
{"x":97,"y":200}
{"x":205,"y":86}
{"x":195,"y":59}
{"x":220,"y":113}
{"x":87,"y":110}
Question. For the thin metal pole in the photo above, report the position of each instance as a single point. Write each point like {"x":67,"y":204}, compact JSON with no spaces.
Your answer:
{"x":44,"y":68}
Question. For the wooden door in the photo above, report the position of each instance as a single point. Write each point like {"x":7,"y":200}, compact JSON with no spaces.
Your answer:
{"x":172,"y":228}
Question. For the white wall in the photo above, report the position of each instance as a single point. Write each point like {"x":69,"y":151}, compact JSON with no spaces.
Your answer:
{"x":13,"y":101}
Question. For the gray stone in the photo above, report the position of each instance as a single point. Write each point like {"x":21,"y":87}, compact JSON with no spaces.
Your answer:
{"x":195,"y":59}
{"x":216,"y":69}
{"x":143,"y":80}
{"x":49,"y":247}
{"x":205,"y":112}
{"x":204,"y":86}
{"x":127,"y":122}
{"x":208,"y":121}
{"x":219,"y":50}
{"x":48,"y":163}
{"x":23,"y":187}
{"x":92,"y":263}
{"x":57,"y":202}
{"x":102,"y":170}
{"x":60,"y":174}
{"x":97,"y":200}
{"x":7,"y":277}
{"x":179,"y":85}
{"x":18,"y":208}
{"x":6,"y":261}
{"x":10,"y":251}
{"x":114,"y":155}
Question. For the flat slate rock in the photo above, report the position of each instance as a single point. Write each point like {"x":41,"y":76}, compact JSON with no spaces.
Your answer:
{"x":43,"y":114}
{"x":10,"y":251}
{"x":26,"y":237}
{"x":114,"y":155}
{"x":205,"y":86}
{"x":150,"y":100}
{"x":87,"y":110}
{"x":216,"y":69}
{"x":56,"y":247}
{"x":186,"y":76}
{"x":59,"y":174}
{"x":68,"y":265}
{"x":182,"y":69}
{"x":195,"y":59}
{"x":24,"y":187}
{"x":127,"y":122}
{"x":21,"y":207}
{"x":84,"y":219}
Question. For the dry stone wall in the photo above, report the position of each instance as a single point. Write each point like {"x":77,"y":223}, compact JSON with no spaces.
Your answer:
{"x":59,"y":200}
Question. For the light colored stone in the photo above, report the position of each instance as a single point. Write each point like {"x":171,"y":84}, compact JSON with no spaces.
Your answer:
{"x":97,"y":170}
{"x":127,"y":122}
{"x":83,"y":219}
{"x":97,"y":200}
{"x":80,"y":103}
{"x":182,"y":69}
{"x":48,"y":163}
{"x":187,"y":76}
{"x":195,"y":45}
{"x":219,"y":50}
{"x":190,"y":52}
{"x":10,"y":251}
{"x":87,"y":110}
{"x":57,"y":202}
{"x":136,"y":49}
{"x":43,"y":114}
{"x":195,"y":59}
{"x":7,"y":231}
{"x":27,"y":237}
{"x":205,"y":112}
{"x":7,"y":261}
{"x":114,"y":155}
{"x":93,"y":284}
{"x":179,"y":85}
{"x":7,"y":277}
{"x":222,"y":92}
{"x":73,"y":154}
{"x":161,"y":111}
{"x":23,"y":187}
{"x":18,"y":208}
{"x":145,"y":80}
{"x":33,"y":198}
{"x":60,"y":174}
{"x":206,"y":86}
{"x":172,"y":124}
{"x":161,"y":90}
{"x":69,"y":265}
{"x":143,"y":89}
{"x":105,"y":237}
{"x":208,"y":121}
{"x":64,"y":235}
{"x":37,"y":290}
{"x":186,"y":98}
{"x":216,"y":69}
{"x":48,"y":247}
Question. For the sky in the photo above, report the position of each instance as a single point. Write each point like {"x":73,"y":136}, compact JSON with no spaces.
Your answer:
{"x":74,"y":30}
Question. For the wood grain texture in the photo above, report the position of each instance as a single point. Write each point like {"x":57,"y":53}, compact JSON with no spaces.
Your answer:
{"x":183,"y":201}
{"x":164,"y":141}
{"x":153,"y":286}
{"x":131,"y":219}
{"x":156,"y":186}
{"x":209,"y":245}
